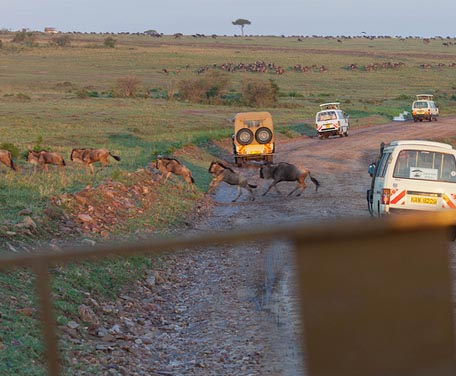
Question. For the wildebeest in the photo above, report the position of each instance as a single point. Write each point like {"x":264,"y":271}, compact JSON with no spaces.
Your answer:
{"x":287,"y":172}
{"x":168,"y":166}
{"x":89,"y":156}
{"x":224,"y":173}
{"x":43,"y":158}
{"x":7,"y":159}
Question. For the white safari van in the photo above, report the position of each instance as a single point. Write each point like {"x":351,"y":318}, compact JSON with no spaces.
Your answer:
{"x":413,"y":175}
{"x":331,"y":121}
{"x":424,"y":108}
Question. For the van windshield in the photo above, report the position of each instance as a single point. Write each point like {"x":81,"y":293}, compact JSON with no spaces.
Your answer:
{"x":420,"y":105}
{"x":425,"y":165}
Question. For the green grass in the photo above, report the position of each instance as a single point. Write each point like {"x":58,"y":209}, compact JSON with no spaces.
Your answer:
{"x":21,"y":350}
{"x":60,"y":98}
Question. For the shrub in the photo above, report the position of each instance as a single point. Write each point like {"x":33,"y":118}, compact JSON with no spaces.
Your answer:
{"x":158,"y":93}
{"x":256,"y":93}
{"x":23,"y":97}
{"x":129,"y":86}
{"x":402,"y":97}
{"x":208,"y":89}
{"x":110,"y":42}
{"x":61,"y":40}
{"x":24,"y":36}
{"x":291,"y":94}
{"x":82,"y":93}
{"x":10,"y":147}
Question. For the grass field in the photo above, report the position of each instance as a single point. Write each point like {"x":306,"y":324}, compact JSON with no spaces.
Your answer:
{"x":40,"y":90}
{"x":60,"y":97}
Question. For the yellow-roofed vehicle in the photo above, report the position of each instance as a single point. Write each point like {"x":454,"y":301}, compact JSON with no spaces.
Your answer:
{"x":253,"y":138}
{"x":424,"y":108}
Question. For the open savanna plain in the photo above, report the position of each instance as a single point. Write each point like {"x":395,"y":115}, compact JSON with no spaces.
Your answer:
{"x":62,"y":97}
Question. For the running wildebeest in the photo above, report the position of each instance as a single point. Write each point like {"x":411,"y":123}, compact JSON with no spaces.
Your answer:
{"x":88,"y":156}
{"x":43,"y":158}
{"x":7,"y":159}
{"x":224,"y":173}
{"x":168,"y":166}
{"x":287,"y":172}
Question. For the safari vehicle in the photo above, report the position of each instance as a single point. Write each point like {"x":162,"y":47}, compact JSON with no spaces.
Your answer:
{"x":412,"y":175}
{"x":253,"y":138}
{"x":331,"y":121}
{"x":424,"y":108}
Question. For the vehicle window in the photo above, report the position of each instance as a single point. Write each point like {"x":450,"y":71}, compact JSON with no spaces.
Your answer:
{"x":252,"y":123}
{"x":420,"y":105}
{"x":425,"y":165}
{"x":383,"y":164}
{"x":326,"y":115}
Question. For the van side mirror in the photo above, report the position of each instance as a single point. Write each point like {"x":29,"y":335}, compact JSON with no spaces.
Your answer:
{"x":371,"y":169}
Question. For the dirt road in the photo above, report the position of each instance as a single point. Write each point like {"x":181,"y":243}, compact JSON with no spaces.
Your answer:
{"x":232,"y":311}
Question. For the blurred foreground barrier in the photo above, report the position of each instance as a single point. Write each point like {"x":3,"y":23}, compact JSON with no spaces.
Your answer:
{"x":375,"y":294}
{"x":378,"y":302}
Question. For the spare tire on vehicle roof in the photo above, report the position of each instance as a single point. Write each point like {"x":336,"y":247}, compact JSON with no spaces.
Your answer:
{"x":244,"y":136}
{"x":263,"y":135}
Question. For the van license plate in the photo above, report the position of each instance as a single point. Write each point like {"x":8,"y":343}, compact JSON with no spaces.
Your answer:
{"x":423,"y":200}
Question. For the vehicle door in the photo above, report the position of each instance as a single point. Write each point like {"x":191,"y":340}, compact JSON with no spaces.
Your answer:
{"x":434,"y":109}
{"x":379,"y":183}
{"x":343,"y":121}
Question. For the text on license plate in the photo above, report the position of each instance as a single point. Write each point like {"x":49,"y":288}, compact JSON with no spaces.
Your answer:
{"x":423,"y":200}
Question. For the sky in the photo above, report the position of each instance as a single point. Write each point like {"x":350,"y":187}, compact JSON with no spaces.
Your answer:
{"x":404,"y":18}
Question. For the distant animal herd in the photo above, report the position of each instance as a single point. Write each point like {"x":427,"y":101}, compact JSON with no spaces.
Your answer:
{"x":261,"y":66}
{"x":43,"y":158}
{"x":220,"y":171}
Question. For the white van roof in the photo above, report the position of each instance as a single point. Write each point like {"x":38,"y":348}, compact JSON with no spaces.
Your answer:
{"x":330,"y":106}
{"x":424,"y":97}
{"x":421,"y":143}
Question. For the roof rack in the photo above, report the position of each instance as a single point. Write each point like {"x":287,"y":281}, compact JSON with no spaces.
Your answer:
{"x":424,"y":97}
{"x":330,"y":106}
{"x":421,"y":142}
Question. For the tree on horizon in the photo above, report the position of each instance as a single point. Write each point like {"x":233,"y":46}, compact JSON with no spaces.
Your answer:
{"x":241,"y":22}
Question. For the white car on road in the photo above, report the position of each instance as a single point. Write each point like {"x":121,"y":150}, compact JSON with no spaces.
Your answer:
{"x":331,"y":121}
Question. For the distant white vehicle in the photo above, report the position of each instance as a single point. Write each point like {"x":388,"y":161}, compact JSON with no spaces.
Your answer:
{"x":424,"y":108}
{"x":331,"y":121}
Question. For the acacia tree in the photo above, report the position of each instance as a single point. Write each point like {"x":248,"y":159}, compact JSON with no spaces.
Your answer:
{"x":241,"y":22}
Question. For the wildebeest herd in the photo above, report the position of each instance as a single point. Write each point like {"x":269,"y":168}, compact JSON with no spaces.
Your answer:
{"x":220,"y":171}
{"x":43,"y":158}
